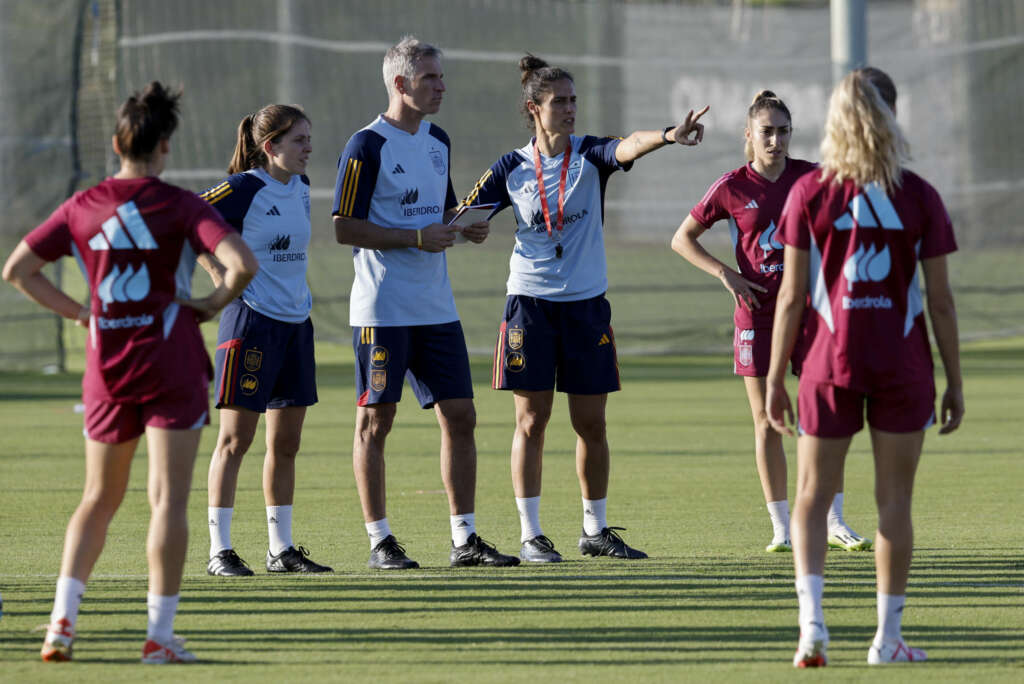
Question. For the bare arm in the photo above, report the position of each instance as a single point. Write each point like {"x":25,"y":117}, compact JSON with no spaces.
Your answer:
{"x":639,"y":143}
{"x":213,"y":267}
{"x":24,"y":270}
{"x":685,"y":243}
{"x":239,"y":266}
{"x":436,"y":237}
{"x":789,"y":309}
{"x":942,"y":312}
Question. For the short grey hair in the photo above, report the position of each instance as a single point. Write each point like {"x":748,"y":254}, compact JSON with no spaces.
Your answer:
{"x":401,"y":59}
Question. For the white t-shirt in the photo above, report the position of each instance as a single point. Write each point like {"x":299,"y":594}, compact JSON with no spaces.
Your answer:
{"x":397,"y":180}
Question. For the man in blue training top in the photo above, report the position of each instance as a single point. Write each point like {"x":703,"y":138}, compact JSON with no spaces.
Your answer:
{"x":391,"y":199}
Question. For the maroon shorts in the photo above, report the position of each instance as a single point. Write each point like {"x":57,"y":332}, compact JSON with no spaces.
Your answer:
{"x":828,"y":411}
{"x":752,"y":351}
{"x":113,"y":423}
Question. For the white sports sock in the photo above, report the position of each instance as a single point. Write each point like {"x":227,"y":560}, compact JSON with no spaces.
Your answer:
{"x":594,"y":519}
{"x":279,"y":525}
{"x":67,"y":599}
{"x":809,"y":592}
{"x":162,"y":610}
{"x":835,"y":512}
{"x":463,"y":527}
{"x":778,"y":511}
{"x":220,"y":528}
{"x":890,"y":618}
{"x":379,"y":530}
{"x":529,"y":517}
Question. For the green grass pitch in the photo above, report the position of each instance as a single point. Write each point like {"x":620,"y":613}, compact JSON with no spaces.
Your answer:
{"x":709,"y":605}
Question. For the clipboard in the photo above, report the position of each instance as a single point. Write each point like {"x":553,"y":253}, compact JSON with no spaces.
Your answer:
{"x":468,"y":215}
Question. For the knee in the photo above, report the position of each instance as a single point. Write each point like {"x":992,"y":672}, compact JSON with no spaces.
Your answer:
{"x":285,"y":446}
{"x":167,"y":500}
{"x":374,"y":426}
{"x":893,"y":504}
{"x":763,"y":430}
{"x":100,"y":501}
{"x":591,"y":428}
{"x":461,"y":421}
{"x":231,"y":445}
{"x":532,"y":423}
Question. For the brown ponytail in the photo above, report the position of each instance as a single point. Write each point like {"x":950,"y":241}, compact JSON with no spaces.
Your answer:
{"x":269,"y":123}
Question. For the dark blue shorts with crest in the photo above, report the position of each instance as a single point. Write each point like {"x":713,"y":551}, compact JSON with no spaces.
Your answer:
{"x":568,"y":346}
{"x":432,"y":357}
{"x":263,"y":363}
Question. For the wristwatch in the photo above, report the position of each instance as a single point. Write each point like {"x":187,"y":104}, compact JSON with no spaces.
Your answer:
{"x":664,"y":135}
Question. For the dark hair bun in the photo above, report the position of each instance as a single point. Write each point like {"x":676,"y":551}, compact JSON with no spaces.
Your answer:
{"x":764,"y":95}
{"x":530,"y":63}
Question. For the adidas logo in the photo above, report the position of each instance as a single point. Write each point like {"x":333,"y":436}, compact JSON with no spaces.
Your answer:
{"x":463,"y":523}
{"x":861,"y":213}
{"x":603,"y":341}
{"x":752,"y":204}
{"x":767,"y":241}
{"x":272,"y":520}
{"x":274,"y":211}
{"x":213,"y":523}
{"x":398,"y":169}
{"x":115,"y":235}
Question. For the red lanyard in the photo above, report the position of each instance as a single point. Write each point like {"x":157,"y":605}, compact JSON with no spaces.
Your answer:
{"x":561,"y":188}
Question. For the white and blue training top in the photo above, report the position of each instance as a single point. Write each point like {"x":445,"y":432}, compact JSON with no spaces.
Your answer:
{"x":396,"y":179}
{"x":273,"y":218}
{"x":534,"y":269}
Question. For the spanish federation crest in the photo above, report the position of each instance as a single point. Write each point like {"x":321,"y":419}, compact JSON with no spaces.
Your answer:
{"x":437,"y":159}
{"x":746,"y":354}
{"x":253,"y":359}
{"x":573,"y":174}
{"x":515,"y":338}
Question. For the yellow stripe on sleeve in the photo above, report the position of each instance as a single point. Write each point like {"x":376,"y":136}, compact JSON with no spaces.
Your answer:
{"x":215,"y":189}
{"x":216,"y":195}
{"x":349,"y":187}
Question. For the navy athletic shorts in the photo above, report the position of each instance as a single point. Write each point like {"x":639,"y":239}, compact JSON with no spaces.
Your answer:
{"x":568,"y":346}
{"x":263,"y":363}
{"x":432,"y":357}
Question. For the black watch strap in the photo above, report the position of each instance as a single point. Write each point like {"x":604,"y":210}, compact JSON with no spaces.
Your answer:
{"x":664,"y":135}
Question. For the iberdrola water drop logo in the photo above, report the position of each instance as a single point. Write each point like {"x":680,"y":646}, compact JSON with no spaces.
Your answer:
{"x":767,"y":241}
{"x":867,"y":266}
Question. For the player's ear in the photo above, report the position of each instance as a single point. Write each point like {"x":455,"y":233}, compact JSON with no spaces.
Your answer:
{"x":115,"y":146}
{"x":165,"y":145}
{"x":400,"y":84}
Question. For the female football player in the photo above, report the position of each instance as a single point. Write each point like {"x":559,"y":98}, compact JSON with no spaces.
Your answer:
{"x":853,"y":235}
{"x":146,"y":370}
{"x":264,"y":361}
{"x":556,"y":329}
{"x":751,"y":198}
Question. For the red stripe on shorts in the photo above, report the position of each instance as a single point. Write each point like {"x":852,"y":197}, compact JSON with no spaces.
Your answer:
{"x":229,"y":370}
